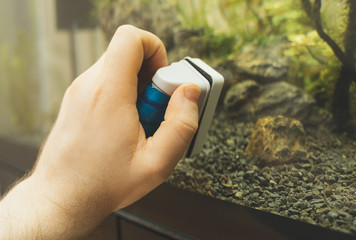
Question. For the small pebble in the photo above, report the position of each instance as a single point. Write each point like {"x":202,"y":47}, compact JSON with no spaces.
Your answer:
{"x":228,"y":185}
{"x":333,"y":214}
{"x":272,"y":182}
{"x":239,"y":194}
{"x":328,"y":191}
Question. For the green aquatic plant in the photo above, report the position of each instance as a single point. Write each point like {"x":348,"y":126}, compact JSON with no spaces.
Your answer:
{"x":102,"y":2}
{"x":220,"y":45}
{"x":321,"y":40}
{"x":217,"y":46}
{"x":193,"y":13}
{"x":249,"y":20}
{"x":343,"y":45}
{"x":313,"y":66}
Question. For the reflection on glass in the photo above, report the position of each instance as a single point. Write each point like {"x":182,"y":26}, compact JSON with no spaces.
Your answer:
{"x":39,"y":58}
{"x":18,"y":70}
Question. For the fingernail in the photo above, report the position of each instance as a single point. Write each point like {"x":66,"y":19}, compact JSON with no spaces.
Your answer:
{"x":192,"y":92}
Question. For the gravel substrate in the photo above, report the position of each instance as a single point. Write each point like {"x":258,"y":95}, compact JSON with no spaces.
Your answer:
{"x":320,"y":190}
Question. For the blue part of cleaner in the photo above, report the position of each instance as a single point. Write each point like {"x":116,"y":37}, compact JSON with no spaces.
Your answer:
{"x":151,"y":106}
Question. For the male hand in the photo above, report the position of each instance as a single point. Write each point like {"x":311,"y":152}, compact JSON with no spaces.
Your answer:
{"x":96,"y":158}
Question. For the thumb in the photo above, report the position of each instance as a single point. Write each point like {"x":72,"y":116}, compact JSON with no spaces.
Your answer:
{"x":174,"y":135}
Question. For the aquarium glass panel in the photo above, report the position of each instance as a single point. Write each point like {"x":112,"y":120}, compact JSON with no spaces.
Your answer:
{"x":283,"y":136}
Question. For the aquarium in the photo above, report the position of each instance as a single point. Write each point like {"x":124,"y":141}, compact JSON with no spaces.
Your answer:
{"x":283,"y":137}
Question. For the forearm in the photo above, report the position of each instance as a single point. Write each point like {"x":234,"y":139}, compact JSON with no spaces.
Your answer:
{"x":27,"y":213}
{"x":19,"y":213}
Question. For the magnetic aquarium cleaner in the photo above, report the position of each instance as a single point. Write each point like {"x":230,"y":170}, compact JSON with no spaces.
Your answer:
{"x":153,"y":102}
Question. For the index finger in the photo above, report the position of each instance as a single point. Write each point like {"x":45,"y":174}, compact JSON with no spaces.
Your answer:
{"x":128,"y":50}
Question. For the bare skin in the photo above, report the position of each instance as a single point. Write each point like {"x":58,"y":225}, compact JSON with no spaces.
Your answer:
{"x":96,"y":158}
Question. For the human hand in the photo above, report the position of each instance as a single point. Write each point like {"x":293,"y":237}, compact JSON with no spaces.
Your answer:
{"x":96,"y":158}
{"x":98,"y":138}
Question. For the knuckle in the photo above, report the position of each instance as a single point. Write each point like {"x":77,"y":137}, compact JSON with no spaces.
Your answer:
{"x":126,"y":28}
{"x":128,"y":31}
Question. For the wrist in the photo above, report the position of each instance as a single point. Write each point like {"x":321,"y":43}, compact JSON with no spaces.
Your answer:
{"x":20,"y":212}
{"x":70,"y":183}
{"x":76,"y":201}
{"x":35,"y":209}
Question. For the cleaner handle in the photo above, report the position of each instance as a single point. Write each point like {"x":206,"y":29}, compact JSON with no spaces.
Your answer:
{"x":151,"y":106}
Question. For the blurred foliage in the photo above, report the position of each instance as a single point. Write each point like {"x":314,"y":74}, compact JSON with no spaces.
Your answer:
{"x":313,"y":59}
{"x":252,"y":21}
{"x":18,"y":76}
{"x":313,"y":65}
{"x":230,"y":25}
{"x":99,"y":3}
{"x":218,"y":45}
